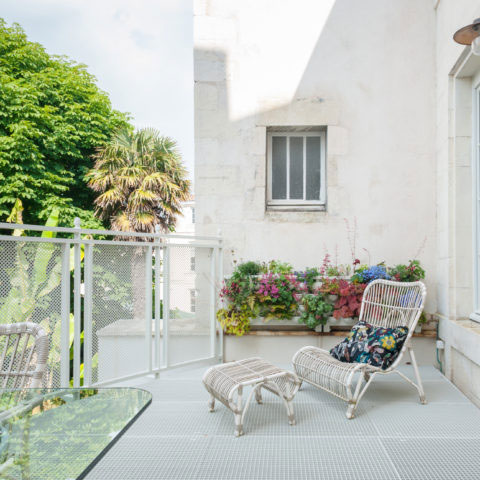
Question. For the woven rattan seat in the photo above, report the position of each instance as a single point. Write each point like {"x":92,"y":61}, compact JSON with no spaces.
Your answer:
{"x":225,"y":383}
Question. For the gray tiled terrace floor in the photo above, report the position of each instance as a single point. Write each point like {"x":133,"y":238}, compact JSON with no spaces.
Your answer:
{"x":392,"y":436}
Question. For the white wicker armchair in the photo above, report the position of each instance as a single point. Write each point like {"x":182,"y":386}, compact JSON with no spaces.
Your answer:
{"x":385,"y":304}
{"x":24,"y":353}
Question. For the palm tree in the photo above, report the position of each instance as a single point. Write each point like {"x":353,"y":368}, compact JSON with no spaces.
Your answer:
{"x":141,"y":181}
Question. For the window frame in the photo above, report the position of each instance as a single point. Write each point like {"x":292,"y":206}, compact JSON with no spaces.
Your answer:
{"x":298,"y":203}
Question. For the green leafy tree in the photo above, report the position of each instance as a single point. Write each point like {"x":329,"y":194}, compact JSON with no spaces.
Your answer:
{"x":52,"y":119}
{"x":141,"y":181}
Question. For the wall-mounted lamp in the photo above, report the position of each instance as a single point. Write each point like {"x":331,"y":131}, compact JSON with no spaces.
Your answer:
{"x":469,"y":35}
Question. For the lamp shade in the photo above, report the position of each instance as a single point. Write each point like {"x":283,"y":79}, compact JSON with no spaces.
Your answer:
{"x":466,"y":35}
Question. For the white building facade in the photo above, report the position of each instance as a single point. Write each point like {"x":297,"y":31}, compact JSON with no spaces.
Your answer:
{"x":311,"y":116}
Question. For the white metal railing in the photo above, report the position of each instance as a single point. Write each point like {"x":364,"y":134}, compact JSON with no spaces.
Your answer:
{"x":114,"y":308}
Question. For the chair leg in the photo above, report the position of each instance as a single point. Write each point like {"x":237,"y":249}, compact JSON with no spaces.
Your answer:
{"x":211,"y":403}
{"x":353,"y":402}
{"x":419,"y":385}
{"x":351,"y":410}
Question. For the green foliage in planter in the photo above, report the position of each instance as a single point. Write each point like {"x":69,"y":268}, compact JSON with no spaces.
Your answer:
{"x":316,"y":310}
{"x":408,"y":273}
{"x":246,"y":269}
{"x":275,"y":266}
{"x":235,"y":322}
{"x":308,"y":276}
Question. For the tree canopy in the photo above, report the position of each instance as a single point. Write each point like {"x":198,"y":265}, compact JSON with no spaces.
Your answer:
{"x":141,"y":181}
{"x":52,"y":118}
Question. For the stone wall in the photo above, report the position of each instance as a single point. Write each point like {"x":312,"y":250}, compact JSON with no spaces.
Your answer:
{"x":365,"y":72}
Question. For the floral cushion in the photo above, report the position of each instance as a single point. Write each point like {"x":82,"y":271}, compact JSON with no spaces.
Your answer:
{"x":366,"y":343}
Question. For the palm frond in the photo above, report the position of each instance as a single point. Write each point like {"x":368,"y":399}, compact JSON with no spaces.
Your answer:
{"x":109,"y":198}
{"x":121,"y":222}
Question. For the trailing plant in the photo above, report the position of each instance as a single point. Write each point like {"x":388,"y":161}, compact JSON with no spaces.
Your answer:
{"x":316,"y":310}
{"x":239,"y":289}
{"x":411,"y":272}
{"x":236,"y":322}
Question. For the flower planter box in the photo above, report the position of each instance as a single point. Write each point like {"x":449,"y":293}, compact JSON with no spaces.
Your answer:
{"x":347,"y":322}
{"x":285,"y":324}
{"x":334,"y":322}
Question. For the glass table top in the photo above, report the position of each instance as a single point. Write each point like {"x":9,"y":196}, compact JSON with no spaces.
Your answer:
{"x":61,"y":433}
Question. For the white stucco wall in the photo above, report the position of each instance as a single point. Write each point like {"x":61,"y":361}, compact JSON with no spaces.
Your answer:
{"x":366,"y":71}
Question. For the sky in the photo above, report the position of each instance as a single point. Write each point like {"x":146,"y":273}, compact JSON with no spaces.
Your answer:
{"x":141,"y":52}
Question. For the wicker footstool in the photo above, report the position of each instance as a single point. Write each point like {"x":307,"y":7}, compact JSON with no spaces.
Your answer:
{"x":225,"y":383}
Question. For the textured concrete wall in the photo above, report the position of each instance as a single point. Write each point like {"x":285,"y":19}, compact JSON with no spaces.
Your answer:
{"x":364,"y":70}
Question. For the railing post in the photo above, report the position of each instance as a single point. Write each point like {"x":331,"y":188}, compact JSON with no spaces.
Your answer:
{"x":148,"y":306}
{"x":220,"y":283}
{"x":166,"y":304}
{"x":213,"y":318}
{"x":158,"y":272}
{"x":65,"y":325}
{"x":77,"y":280}
{"x":87,"y":315}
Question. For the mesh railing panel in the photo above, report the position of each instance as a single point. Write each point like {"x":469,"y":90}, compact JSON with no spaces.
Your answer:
{"x":119,"y":300}
{"x":30,"y":291}
{"x":190,"y":303}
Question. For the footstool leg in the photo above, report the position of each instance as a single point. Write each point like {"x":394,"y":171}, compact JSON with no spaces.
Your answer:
{"x":291,"y":415}
{"x":238,"y":425}
{"x":211,"y":403}
{"x":258,"y":395}
{"x":239,"y":413}
{"x":289,"y":404}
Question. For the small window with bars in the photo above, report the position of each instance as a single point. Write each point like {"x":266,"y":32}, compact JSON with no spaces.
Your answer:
{"x":296,"y":169}
{"x":192,"y":263}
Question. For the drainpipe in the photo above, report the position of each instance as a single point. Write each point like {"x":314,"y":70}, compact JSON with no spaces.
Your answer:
{"x":440,"y":345}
